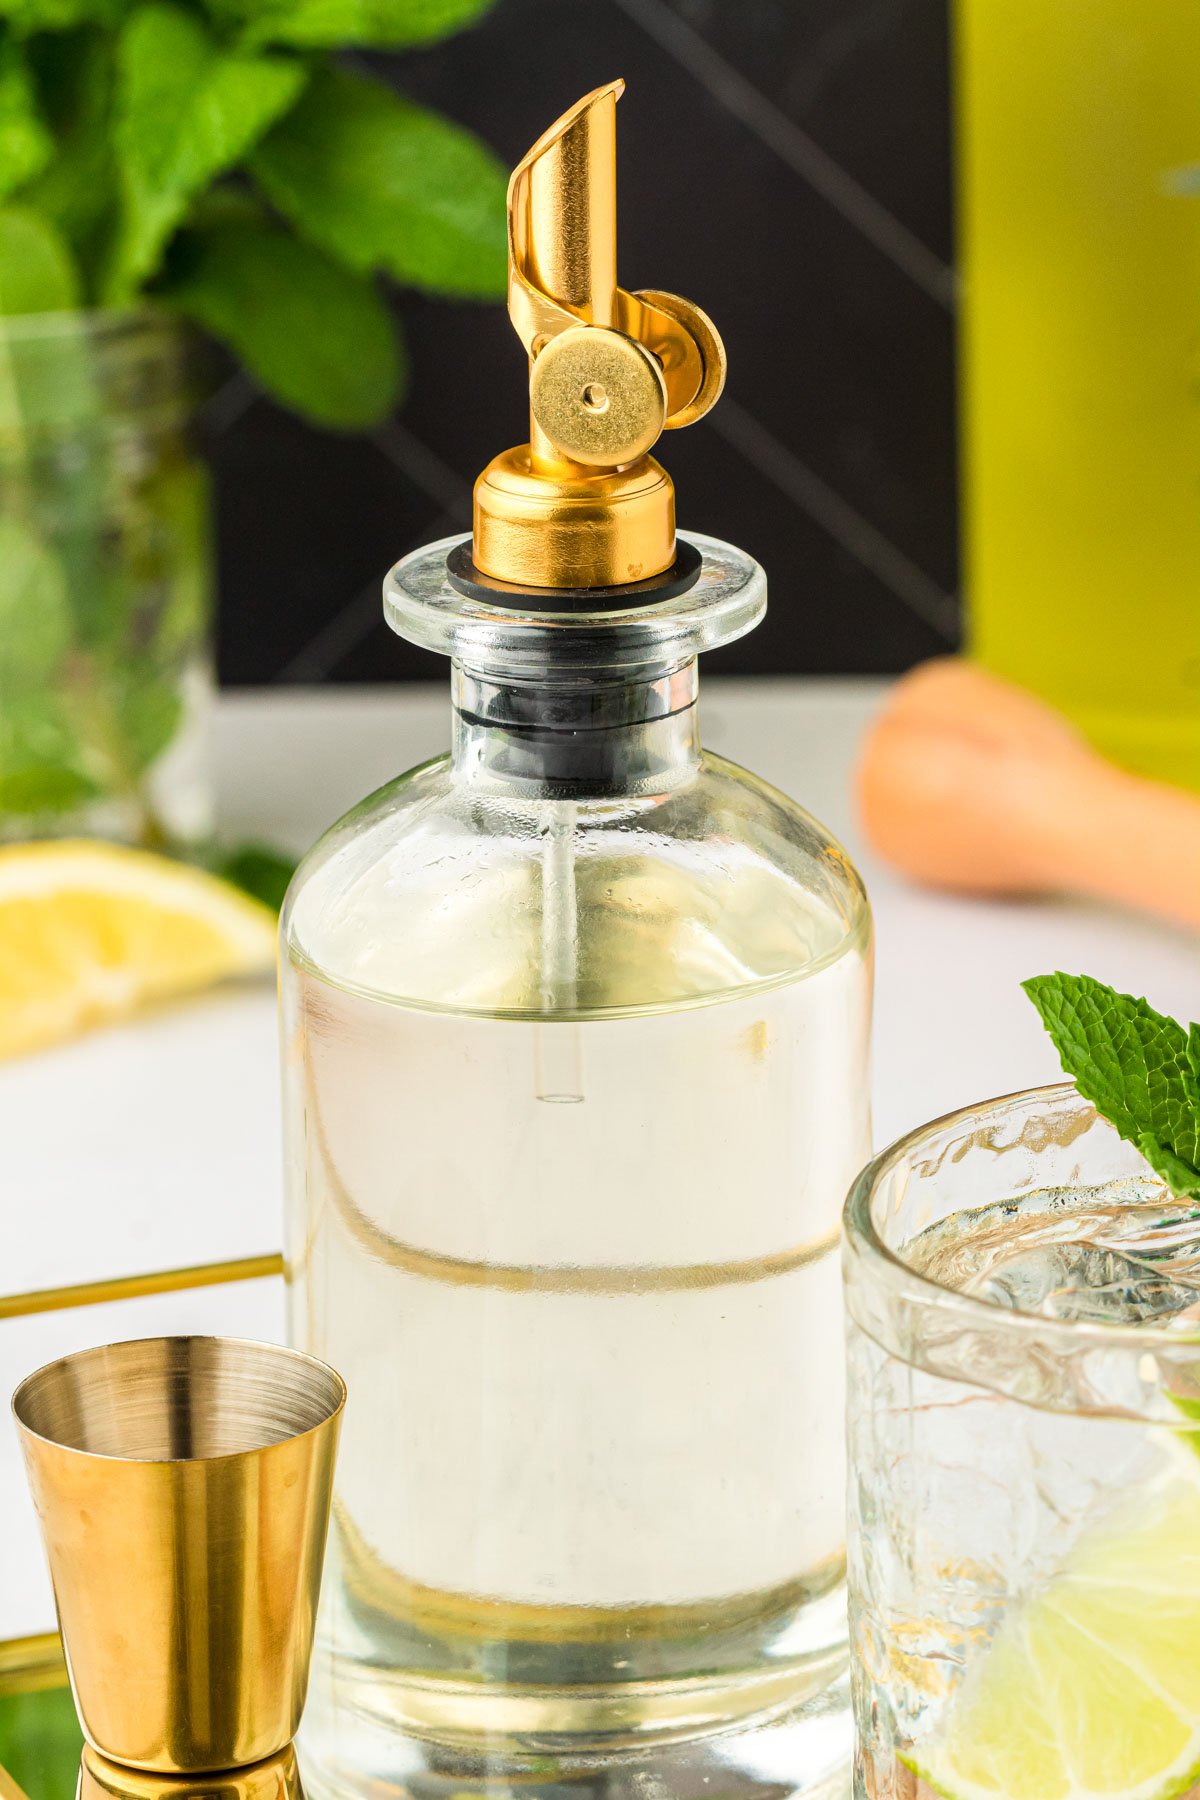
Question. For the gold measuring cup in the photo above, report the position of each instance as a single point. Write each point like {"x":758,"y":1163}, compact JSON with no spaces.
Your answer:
{"x":278,"y":1778}
{"x":183,"y":1488}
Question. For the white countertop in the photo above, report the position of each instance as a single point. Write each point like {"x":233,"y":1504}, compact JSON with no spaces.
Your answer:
{"x":156,"y":1145}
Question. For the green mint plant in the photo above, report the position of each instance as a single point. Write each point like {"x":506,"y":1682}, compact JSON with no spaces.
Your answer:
{"x":213,"y":156}
{"x":1140,"y":1069}
{"x":222,"y":161}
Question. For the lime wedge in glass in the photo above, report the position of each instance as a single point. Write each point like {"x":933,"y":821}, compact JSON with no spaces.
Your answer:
{"x":1090,"y":1690}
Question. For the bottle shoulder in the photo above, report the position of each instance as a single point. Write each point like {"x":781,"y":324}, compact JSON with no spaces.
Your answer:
{"x":442,"y":890}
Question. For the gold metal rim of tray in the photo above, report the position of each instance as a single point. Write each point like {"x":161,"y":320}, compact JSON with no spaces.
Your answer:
{"x":132,"y":1287}
{"x":29,"y":1664}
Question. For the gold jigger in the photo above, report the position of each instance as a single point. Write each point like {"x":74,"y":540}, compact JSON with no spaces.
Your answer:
{"x":277,"y":1778}
{"x":183,"y":1488}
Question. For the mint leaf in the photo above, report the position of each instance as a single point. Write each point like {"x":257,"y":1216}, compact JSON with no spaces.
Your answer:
{"x":49,"y":395}
{"x":35,"y":612}
{"x":382,"y":184}
{"x":1138,"y":1067}
{"x":59,"y":15}
{"x":76,"y":190}
{"x":148,"y":703}
{"x":1180,"y":1177}
{"x":40,"y":788}
{"x":186,"y":111}
{"x":178,"y":501}
{"x":386,"y":24}
{"x":44,"y":764}
{"x":25,"y":144}
{"x":258,"y":870}
{"x":37,"y":273}
{"x":318,"y":337}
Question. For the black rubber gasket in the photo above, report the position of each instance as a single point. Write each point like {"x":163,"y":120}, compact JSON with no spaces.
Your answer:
{"x":473,"y":584}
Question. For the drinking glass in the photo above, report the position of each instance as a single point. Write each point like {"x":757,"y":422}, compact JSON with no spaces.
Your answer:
{"x":105,"y":581}
{"x":1024,"y":1366}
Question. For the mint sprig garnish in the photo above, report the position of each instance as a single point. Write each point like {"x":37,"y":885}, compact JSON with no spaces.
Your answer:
{"x":1138,"y":1067}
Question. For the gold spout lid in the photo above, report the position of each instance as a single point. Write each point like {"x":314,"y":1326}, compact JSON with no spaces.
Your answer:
{"x":583,"y":504}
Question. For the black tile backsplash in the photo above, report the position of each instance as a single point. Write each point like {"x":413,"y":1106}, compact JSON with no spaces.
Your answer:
{"x":783,"y":162}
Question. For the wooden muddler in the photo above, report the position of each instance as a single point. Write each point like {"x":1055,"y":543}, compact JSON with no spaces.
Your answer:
{"x":968,"y":782}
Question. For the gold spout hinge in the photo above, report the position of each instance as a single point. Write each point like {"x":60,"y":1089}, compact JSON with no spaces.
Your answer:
{"x":584,"y":504}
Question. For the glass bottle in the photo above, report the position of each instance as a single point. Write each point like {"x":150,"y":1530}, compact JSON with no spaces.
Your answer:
{"x":576,"y":1030}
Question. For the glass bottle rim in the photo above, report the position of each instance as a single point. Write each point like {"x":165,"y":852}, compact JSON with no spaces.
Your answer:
{"x":886,"y":1267}
{"x":728,"y":600}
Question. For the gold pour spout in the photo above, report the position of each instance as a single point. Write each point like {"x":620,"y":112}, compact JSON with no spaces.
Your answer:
{"x":584,"y":504}
{"x":562,"y":222}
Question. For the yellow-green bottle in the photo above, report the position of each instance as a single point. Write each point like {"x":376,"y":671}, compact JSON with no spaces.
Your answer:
{"x":1081,"y":362}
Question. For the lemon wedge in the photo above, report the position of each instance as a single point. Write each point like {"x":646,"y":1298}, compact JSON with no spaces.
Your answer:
{"x":90,"y":932}
{"x":1091,"y":1689}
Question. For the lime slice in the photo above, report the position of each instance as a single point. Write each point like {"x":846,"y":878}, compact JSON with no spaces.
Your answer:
{"x":1092,"y":1688}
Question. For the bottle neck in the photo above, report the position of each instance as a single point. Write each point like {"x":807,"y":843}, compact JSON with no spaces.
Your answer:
{"x":584,"y":738}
